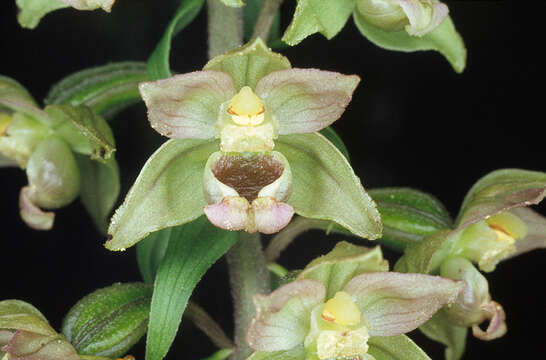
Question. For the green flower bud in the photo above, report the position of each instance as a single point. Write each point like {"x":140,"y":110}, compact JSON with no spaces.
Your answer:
{"x":417,"y":17}
{"x":53,"y":174}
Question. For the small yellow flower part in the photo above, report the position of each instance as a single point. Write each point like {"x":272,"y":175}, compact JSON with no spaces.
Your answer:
{"x":342,"y":310}
{"x":5,"y":121}
{"x":127,"y":357}
{"x":246,"y":108}
{"x":507,"y":226}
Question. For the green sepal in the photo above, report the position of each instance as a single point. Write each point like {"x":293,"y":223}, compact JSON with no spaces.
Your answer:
{"x":248,"y":64}
{"x":109,"y":321}
{"x":330,"y":134}
{"x":409,"y":215}
{"x":105,"y":89}
{"x":499,"y":191}
{"x":99,"y":188}
{"x":444,"y":39}
{"x":398,"y":347}
{"x":440,"y":329}
{"x":426,"y":256}
{"x":192,"y":249}
{"x":158,"y":62}
{"x":32,"y":11}
{"x":343,"y":263}
{"x":168,"y":192}
{"x":150,"y":252}
{"x":86,"y":132}
{"x":20,"y":315}
{"x":325,"y":186}
{"x":311,"y":16}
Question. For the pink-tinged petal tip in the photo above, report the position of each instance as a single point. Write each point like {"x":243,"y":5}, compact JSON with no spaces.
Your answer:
{"x":271,"y":216}
{"x":497,"y":324}
{"x":230,"y":214}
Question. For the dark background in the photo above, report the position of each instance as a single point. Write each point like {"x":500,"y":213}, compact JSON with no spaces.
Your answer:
{"x":412,"y":122}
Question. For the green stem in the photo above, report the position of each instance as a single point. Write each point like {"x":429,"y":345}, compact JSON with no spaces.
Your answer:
{"x":265,"y":19}
{"x":248,"y":275}
{"x":225,"y":26}
{"x":205,"y":323}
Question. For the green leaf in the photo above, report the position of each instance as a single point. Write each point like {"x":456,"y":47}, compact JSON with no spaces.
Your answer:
{"x":192,"y":249}
{"x":248,"y":64}
{"x":409,"y":215}
{"x":168,"y":192}
{"x":325,"y":16}
{"x":426,"y":256}
{"x":500,"y":191}
{"x":398,"y":347}
{"x":109,"y":321}
{"x":150,"y":252}
{"x":330,"y":134}
{"x":233,"y":3}
{"x":344,"y":262}
{"x":86,"y":132}
{"x":297,"y":353}
{"x":106,"y":89}
{"x":32,"y":11}
{"x":440,"y":329}
{"x":158,"y":63}
{"x":444,"y":39}
{"x":99,"y":188}
{"x":325,"y":186}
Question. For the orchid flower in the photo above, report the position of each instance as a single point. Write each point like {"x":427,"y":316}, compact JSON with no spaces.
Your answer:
{"x":346,"y":305}
{"x":245,"y":151}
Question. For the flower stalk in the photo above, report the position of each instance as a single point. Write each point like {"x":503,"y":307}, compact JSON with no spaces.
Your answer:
{"x":225,"y":27}
{"x":265,"y":19}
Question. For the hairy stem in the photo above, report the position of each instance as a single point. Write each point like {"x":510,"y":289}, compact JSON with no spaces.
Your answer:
{"x":248,"y":275}
{"x":265,"y":19}
{"x":225,"y":26}
{"x":205,"y":323}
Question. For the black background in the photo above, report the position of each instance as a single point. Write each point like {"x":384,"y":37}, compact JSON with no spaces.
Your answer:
{"x":413,"y":122}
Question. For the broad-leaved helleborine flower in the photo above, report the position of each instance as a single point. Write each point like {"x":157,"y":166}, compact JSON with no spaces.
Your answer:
{"x":245,"y":150}
{"x":44,"y":143}
{"x":493,"y":225}
{"x":345,"y":305}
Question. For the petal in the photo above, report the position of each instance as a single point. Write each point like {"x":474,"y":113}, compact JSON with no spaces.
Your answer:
{"x":106,"y":5}
{"x":500,"y":191}
{"x":306,"y":100}
{"x":325,"y":186}
{"x":271,"y":216}
{"x":167,"y":192}
{"x":214,"y":189}
{"x":283,"y":317}
{"x":440,"y":329}
{"x":31,"y":214}
{"x":230,"y":214}
{"x":421,"y":20}
{"x":187,"y":105}
{"x":395,"y":303}
{"x":536,"y":231}
{"x":343,"y":263}
{"x":281,"y":188}
{"x":30,"y":346}
{"x":497,"y":324}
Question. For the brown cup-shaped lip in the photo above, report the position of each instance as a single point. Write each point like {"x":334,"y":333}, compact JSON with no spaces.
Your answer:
{"x":247,"y":174}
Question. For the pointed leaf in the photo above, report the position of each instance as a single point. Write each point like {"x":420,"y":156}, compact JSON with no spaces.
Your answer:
{"x":150,"y":252}
{"x":396,"y":303}
{"x":86,"y":132}
{"x":158,"y":63}
{"x":105,"y":89}
{"x":398,"y":347}
{"x":499,"y":191}
{"x":193,"y":248}
{"x":344,"y":262}
{"x":426,"y":256}
{"x":444,"y":39}
{"x":32,"y":11}
{"x":99,"y":188}
{"x":248,"y":64}
{"x":283,"y":317}
{"x":109,"y":321}
{"x":325,"y":186}
{"x":325,"y":16}
{"x":187,"y":105}
{"x":297,"y":353}
{"x":536,"y":231}
{"x":306,"y":100}
{"x":440,"y":329}
{"x":409,"y":215}
{"x":167,"y":192}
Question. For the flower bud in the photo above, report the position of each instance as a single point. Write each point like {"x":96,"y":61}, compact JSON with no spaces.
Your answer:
{"x":53,"y":174}
{"x":417,"y":17}
{"x":473,"y":305}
